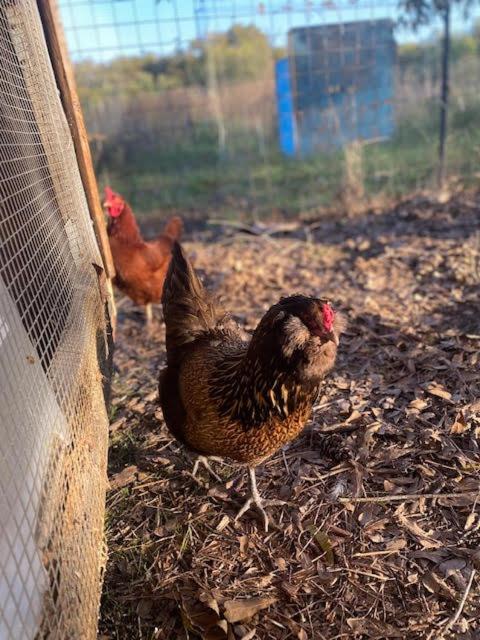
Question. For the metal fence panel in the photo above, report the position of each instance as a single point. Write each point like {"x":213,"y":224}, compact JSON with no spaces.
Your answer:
{"x":188,"y":112}
{"x":53,"y":423}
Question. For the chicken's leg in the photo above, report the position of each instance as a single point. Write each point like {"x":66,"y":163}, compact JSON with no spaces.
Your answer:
{"x":149,"y":317}
{"x":204,"y":460}
{"x":256,"y":499}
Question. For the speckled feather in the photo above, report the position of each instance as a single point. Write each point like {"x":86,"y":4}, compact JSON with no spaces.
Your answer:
{"x":224,"y":396}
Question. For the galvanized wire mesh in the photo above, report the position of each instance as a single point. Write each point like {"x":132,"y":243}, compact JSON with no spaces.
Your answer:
{"x":53,"y":424}
{"x":189,"y":107}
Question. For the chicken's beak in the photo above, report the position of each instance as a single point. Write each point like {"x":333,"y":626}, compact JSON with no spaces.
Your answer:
{"x":333,"y":337}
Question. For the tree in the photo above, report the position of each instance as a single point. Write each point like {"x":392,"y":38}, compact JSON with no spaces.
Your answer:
{"x":421,"y":12}
{"x":241,"y":53}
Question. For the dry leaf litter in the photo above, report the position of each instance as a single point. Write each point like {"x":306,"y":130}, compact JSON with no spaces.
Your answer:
{"x":380,"y":534}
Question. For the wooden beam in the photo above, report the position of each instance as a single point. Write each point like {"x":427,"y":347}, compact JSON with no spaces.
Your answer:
{"x":71,"y":104}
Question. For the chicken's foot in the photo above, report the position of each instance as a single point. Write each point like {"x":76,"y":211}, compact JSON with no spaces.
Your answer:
{"x":204,"y":461}
{"x":256,"y":499}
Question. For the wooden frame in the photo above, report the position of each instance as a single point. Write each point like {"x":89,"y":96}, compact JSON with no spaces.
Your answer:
{"x":73,"y":111}
{"x":65,"y":78}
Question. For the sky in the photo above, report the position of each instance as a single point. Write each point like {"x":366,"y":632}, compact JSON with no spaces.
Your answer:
{"x":104,"y":29}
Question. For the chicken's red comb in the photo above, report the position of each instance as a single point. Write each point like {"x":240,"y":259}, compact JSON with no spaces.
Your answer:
{"x":328,"y":316}
{"x":109,"y":193}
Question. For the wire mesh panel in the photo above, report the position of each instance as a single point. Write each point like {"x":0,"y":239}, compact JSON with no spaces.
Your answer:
{"x":53,"y":423}
{"x":239,"y":106}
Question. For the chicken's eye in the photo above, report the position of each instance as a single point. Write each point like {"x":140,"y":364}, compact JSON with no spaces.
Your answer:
{"x":312,"y":325}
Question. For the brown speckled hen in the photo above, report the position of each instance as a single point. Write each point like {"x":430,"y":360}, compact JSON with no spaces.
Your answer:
{"x":226,"y":397}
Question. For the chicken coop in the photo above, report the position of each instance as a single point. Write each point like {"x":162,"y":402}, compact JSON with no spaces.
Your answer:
{"x":55,"y":344}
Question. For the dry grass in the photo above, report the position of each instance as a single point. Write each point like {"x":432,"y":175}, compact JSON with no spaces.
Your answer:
{"x":381,"y":545}
{"x":176,"y":112}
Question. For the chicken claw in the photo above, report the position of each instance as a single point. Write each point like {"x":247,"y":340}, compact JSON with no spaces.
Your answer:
{"x":204,"y":461}
{"x":256,"y":499}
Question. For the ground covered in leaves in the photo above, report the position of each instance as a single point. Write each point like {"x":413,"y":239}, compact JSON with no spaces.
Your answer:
{"x":379,"y":537}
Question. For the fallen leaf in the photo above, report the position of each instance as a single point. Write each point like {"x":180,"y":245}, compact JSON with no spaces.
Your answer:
{"x":438,"y":390}
{"x":459,"y":426}
{"x":435,"y":584}
{"x":210,"y":602}
{"x":355,"y":415}
{"x":432,"y":556}
{"x":374,"y":628}
{"x":422,"y":536}
{"x":124,"y":477}
{"x":450,"y":566}
{"x":264,"y":581}
{"x":238,"y":610}
{"x":396,"y":544}
{"x":200,"y":618}
{"x":115,"y":426}
{"x":418,"y":404}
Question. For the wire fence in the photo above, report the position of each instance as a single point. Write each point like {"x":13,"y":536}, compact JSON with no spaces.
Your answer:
{"x":273,"y":108}
{"x":53,"y":423}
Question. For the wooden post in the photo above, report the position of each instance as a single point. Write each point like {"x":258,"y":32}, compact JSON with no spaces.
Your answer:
{"x":71,"y":104}
{"x":445,"y":94}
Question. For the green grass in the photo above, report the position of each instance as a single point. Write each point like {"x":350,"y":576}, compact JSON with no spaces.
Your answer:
{"x":251,"y":180}
{"x":123,"y":450}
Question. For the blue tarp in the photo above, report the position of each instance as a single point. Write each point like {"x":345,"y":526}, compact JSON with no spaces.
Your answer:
{"x":286,"y":118}
{"x":343,"y":76}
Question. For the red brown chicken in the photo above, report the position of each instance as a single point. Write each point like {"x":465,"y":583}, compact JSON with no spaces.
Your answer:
{"x":226,"y":397}
{"x":140,"y":265}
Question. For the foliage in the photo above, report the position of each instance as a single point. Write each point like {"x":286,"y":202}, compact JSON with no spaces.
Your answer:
{"x":421,"y":12}
{"x":123,"y":75}
{"x":241,"y":53}
{"x":427,"y":54}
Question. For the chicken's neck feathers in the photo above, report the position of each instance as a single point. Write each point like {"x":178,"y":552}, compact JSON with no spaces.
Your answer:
{"x":251,"y":388}
{"x":125,"y":227}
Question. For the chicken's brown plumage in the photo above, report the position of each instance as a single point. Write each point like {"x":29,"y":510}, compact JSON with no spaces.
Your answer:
{"x":140,"y":265}
{"x":224,"y":396}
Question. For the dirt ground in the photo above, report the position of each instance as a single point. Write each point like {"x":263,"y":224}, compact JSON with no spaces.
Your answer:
{"x":379,"y":537}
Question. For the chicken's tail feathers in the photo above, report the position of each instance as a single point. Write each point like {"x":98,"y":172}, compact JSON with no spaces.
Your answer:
{"x":189,"y":310}
{"x":173,"y":228}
